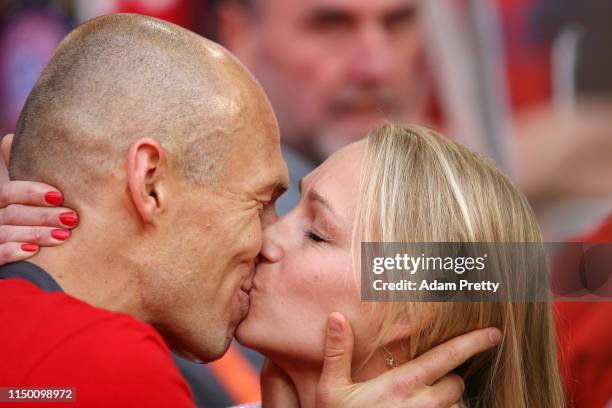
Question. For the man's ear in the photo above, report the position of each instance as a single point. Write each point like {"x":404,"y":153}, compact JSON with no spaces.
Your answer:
{"x":7,"y":142}
{"x":147,"y":172}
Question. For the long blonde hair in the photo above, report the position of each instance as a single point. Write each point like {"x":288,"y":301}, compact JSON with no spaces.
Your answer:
{"x":418,"y":186}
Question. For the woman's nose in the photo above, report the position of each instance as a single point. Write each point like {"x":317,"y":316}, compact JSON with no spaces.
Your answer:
{"x":271,"y":251}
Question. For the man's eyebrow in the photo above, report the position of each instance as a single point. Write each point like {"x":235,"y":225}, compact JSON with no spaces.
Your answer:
{"x":407,"y":11}
{"x":278,"y":189}
{"x":329,"y":15}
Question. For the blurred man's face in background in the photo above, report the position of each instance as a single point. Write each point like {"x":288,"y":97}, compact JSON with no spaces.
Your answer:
{"x":332,"y":68}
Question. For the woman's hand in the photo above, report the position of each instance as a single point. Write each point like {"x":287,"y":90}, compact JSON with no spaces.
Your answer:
{"x":31,"y":217}
{"x":426,"y":381}
{"x":277,"y":389}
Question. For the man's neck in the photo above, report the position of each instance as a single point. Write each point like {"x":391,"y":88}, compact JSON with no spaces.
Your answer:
{"x":98,"y":277}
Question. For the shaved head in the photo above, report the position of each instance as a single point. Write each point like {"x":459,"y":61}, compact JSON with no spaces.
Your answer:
{"x":170,"y":152}
{"x":122,"y":77}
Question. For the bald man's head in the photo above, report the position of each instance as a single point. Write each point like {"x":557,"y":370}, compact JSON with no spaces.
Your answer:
{"x":184,"y":145}
{"x":122,"y":77}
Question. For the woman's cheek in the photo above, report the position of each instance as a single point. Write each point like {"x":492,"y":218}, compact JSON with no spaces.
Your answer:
{"x":329,"y":283}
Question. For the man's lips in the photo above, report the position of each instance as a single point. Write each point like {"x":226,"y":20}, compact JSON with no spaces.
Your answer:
{"x":248,"y":284}
{"x":245,"y":303}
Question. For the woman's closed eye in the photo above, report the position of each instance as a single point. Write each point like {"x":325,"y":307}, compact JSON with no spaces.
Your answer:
{"x":313,"y":236}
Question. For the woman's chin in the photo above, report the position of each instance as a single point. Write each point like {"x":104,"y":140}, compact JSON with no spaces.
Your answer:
{"x":254,"y":330}
{"x":256,"y":335}
{"x":246,"y":332}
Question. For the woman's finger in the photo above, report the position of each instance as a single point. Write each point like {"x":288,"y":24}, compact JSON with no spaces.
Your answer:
{"x":447,"y":390}
{"x":339,"y":343}
{"x":16,"y":251}
{"x":43,"y":236}
{"x":29,"y":193}
{"x":16,"y":214}
{"x":445,"y":357}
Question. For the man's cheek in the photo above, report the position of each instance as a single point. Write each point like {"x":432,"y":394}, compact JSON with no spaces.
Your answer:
{"x":255,"y":236}
{"x":245,"y":229}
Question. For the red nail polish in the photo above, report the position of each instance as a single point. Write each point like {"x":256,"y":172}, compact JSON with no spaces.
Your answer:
{"x":60,"y":234}
{"x":70,"y":219}
{"x":29,"y":247}
{"x":54,"y":198}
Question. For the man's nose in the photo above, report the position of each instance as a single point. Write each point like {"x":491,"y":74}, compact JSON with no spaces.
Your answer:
{"x":372,"y":58}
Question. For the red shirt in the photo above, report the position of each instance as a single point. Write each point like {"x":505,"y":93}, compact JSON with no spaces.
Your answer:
{"x":111,"y":359}
{"x":585,"y":343}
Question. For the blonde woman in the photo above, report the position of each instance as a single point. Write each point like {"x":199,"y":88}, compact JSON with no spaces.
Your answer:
{"x":400,"y":184}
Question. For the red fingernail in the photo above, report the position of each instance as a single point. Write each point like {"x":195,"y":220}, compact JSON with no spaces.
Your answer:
{"x":29,"y":247}
{"x":54,"y":198}
{"x":60,"y":234}
{"x":70,"y":219}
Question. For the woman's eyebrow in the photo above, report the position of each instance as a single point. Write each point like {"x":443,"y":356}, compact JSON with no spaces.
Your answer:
{"x":313,"y":195}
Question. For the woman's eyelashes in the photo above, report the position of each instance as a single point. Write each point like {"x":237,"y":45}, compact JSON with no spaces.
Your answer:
{"x":313,"y":236}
